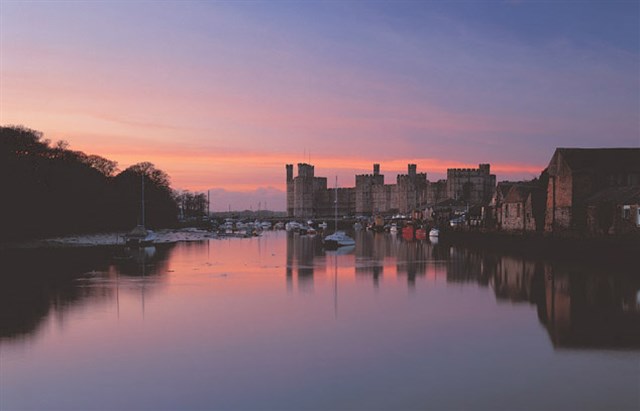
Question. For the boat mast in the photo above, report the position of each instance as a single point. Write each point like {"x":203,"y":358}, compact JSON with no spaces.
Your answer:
{"x":336,"y":205}
{"x":142,"y":202}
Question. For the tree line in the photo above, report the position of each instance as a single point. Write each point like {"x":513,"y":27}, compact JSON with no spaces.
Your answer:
{"x":49,"y":189}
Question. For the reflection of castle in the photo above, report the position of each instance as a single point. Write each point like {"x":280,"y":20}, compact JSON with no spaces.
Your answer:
{"x":309,"y":196}
{"x":580,"y":305}
{"x":301,"y":253}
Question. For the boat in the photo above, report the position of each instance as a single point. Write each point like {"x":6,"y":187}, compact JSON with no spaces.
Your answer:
{"x":140,"y":236}
{"x":434,"y":232}
{"x":338,"y":238}
{"x":408,"y":232}
{"x":394,"y":228}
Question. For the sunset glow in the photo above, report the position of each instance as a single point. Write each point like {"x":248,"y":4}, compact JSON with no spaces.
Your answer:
{"x":221,"y":95}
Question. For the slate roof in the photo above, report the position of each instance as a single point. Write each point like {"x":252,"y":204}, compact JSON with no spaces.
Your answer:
{"x":601,"y":159}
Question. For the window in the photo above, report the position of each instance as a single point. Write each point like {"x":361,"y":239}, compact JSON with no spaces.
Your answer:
{"x":518,"y":211}
{"x":638,"y":217}
{"x":626,"y":212}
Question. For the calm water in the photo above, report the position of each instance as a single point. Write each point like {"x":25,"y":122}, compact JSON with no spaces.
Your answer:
{"x":276,"y":323}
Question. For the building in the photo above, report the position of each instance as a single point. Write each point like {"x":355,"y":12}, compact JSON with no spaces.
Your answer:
{"x":308,"y":196}
{"x":576,"y":174}
{"x":614,"y":210}
{"x":520,"y":210}
{"x":494,"y":217}
{"x":473,"y":185}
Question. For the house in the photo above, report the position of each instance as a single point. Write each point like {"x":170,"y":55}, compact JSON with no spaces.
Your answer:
{"x":494,"y":218}
{"x":576,"y":174}
{"x":615,"y":210}
{"x":520,"y":208}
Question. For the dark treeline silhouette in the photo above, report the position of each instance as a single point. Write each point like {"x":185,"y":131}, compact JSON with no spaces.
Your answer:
{"x":49,"y":189}
{"x":192,"y":205}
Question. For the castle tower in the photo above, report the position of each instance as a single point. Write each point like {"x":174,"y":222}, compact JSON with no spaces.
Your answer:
{"x":290,"y":195}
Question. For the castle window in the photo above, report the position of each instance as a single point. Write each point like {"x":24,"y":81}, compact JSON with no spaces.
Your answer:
{"x":518,"y":211}
{"x":626,"y":212}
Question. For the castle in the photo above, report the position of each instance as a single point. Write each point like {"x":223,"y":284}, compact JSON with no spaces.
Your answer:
{"x":309,"y":196}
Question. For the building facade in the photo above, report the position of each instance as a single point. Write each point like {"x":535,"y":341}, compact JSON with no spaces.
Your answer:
{"x":309,"y":196}
{"x":576,"y":174}
{"x":472,"y":185}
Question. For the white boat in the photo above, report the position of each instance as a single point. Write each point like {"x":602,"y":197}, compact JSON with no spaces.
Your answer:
{"x":434,"y":232}
{"x":323,"y":225}
{"x":292,"y":226}
{"x":140,"y":236}
{"x":338,"y":238}
{"x":393,"y":229}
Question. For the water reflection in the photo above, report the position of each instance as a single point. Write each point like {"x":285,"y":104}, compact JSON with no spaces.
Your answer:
{"x":580,"y":305}
{"x":37,"y":284}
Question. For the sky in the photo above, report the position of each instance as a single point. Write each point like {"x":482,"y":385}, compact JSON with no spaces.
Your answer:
{"x":221,"y":95}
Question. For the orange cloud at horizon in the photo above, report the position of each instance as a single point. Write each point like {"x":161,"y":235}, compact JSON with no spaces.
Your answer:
{"x":246,"y":170}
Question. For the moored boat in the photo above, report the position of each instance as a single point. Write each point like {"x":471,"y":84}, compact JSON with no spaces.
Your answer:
{"x":337,"y":240}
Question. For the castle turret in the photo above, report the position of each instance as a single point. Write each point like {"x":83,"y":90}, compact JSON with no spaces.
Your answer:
{"x":412,"y":170}
{"x":290,"y":193}
{"x":289,"y":172}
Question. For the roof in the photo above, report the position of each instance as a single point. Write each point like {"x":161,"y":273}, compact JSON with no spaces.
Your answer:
{"x":617,"y":195}
{"x":519,"y":193}
{"x":503,"y":187}
{"x":451,"y":202}
{"x":609,"y":159}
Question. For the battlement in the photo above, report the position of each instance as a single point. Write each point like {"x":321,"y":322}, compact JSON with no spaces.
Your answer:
{"x":483,"y":169}
{"x":309,"y":196}
{"x":305,"y":170}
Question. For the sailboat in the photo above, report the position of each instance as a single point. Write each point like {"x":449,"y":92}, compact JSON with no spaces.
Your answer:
{"x":140,"y":236}
{"x":338,"y":238}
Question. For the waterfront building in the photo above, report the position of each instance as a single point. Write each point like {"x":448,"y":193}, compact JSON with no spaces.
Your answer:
{"x":576,"y":174}
{"x":523,"y":208}
{"x":614,"y":211}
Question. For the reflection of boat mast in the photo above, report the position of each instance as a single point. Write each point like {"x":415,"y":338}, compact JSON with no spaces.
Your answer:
{"x":143,"y":280}
{"x":118,"y":294}
{"x":335,"y":288}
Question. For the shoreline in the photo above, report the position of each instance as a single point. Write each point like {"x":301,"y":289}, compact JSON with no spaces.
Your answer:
{"x":548,"y":247}
{"x":114,"y":238}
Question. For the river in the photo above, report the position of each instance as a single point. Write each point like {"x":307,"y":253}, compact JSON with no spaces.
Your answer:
{"x":275,"y":322}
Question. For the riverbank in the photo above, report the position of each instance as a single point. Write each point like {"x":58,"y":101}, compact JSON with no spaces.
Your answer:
{"x":590,"y":249}
{"x":166,"y":236}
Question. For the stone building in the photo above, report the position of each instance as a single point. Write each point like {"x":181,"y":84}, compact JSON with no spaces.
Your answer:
{"x":412,"y":190}
{"x":436,"y":192}
{"x":472,"y":185}
{"x":308,"y":195}
{"x":496,"y":205}
{"x":519,"y":208}
{"x":575,"y":174}
{"x":614,"y":210}
{"x":368,"y":200}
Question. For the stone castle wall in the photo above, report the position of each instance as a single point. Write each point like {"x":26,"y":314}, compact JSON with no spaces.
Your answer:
{"x":308,"y":196}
